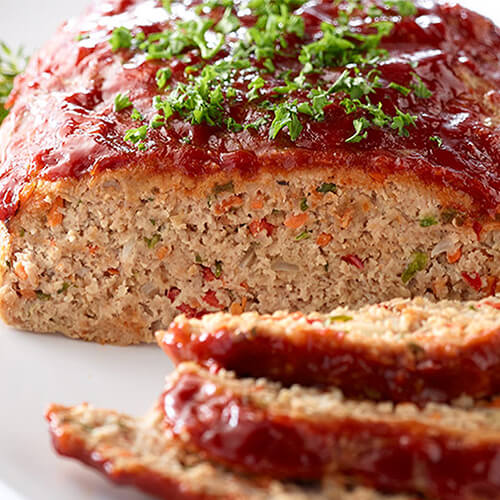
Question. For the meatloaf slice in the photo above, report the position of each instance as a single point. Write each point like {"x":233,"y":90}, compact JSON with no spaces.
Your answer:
{"x":402,"y":350}
{"x":138,"y":451}
{"x":162,"y":158}
{"x":260,"y":427}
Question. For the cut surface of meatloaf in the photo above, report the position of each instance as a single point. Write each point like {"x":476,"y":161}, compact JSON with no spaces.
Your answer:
{"x":401,"y":350}
{"x":440,"y":451}
{"x":138,"y":451}
{"x":124,"y":204}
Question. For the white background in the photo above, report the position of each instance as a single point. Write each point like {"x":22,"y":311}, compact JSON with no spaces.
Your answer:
{"x":36,"y":370}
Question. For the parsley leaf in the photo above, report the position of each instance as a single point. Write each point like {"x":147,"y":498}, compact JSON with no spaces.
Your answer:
{"x":11,"y":64}
{"x":122,"y":102}
{"x":163,"y":75}
{"x":121,"y":38}
{"x":437,"y":140}
{"x":428,"y":221}
{"x":420,"y":88}
{"x":228,"y":22}
{"x":404,"y":7}
{"x":417,"y":263}
{"x":285,"y":115}
{"x":400,"y":88}
{"x":137,"y":136}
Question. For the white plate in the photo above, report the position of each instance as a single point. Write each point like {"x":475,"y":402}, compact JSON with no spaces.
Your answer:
{"x":36,"y":370}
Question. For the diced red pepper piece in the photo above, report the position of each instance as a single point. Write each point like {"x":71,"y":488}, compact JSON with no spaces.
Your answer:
{"x":354,"y":260}
{"x":211,"y":299}
{"x":173,"y":293}
{"x":208,"y":275}
{"x":191,"y":312}
{"x":473,"y":281}
{"x":477,"y":229}
{"x":257,"y":226}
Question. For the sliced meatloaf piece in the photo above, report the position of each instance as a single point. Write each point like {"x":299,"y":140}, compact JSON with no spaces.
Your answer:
{"x":402,"y":350}
{"x":259,"y":427}
{"x":138,"y":451}
{"x":161,"y":158}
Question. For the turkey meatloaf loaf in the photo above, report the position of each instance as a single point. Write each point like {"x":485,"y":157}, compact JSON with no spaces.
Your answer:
{"x":166,"y":157}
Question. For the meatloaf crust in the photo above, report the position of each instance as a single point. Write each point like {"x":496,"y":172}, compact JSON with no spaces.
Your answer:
{"x":198,"y":216}
{"x":138,"y":451}
{"x":402,"y":350}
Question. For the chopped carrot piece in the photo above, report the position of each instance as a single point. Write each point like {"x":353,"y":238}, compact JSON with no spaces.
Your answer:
{"x":237,"y":308}
{"x":455,"y":256}
{"x":27,"y":293}
{"x":113,"y":271}
{"x":257,"y":203}
{"x":20,"y":271}
{"x":161,"y":253}
{"x":296,"y":221}
{"x":323,"y":239}
{"x":54,"y":217}
{"x":491,"y":285}
{"x":226,"y":205}
{"x":92,"y":249}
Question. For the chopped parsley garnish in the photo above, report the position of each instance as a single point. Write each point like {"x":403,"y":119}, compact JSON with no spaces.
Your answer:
{"x":417,"y":263}
{"x":153,"y":241}
{"x":218,"y":269}
{"x":207,"y":91}
{"x":286,"y":115}
{"x":122,"y":102}
{"x":42,"y":296}
{"x":304,"y":235}
{"x":163,"y":75}
{"x":11,"y":64}
{"x":404,"y":7}
{"x":428,"y":221}
{"x":64,"y":287}
{"x":136,"y":115}
{"x":223,"y":188}
{"x":327,"y":187}
{"x":400,"y":88}
{"x":420,"y":88}
{"x":437,"y":140}
{"x":137,"y":136}
{"x":121,"y":38}
{"x":303,"y":204}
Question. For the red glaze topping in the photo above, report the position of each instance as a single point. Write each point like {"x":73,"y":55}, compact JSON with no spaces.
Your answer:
{"x":325,"y":357}
{"x":63,"y":125}
{"x":395,"y":457}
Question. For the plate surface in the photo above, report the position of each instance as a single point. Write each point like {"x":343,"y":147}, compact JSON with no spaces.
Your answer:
{"x":36,"y":369}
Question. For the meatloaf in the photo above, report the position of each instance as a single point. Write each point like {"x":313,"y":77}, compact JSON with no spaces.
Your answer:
{"x":402,"y":350}
{"x":139,"y":452}
{"x":166,"y":157}
{"x":440,"y":451}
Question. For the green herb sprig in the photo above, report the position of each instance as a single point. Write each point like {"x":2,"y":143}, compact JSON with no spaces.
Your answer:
{"x":11,"y":64}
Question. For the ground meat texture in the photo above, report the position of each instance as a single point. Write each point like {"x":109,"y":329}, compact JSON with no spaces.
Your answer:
{"x":137,"y":451}
{"x":401,"y":350}
{"x":259,"y":427}
{"x":127,"y":254}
